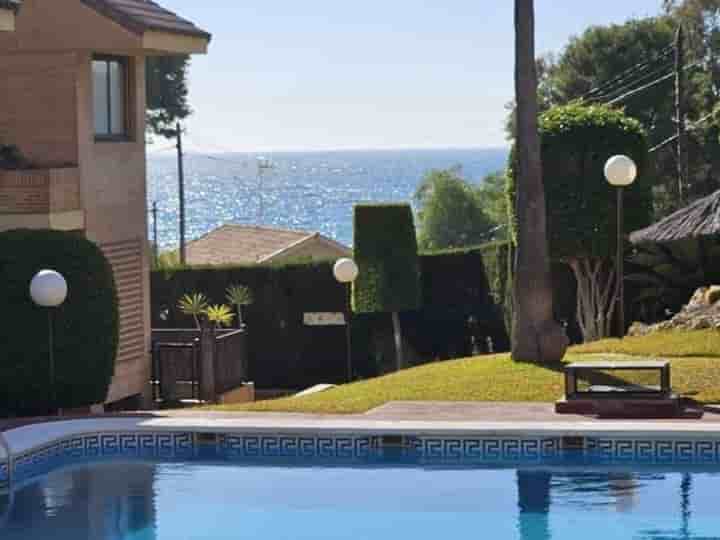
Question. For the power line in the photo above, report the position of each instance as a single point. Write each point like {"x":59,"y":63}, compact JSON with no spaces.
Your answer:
{"x":632,"y":93}
{"x":692,"y":127}
{"x":620,"y":89}
{"x":630,"y":72}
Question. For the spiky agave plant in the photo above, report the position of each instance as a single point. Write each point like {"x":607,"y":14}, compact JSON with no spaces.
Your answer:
{"x":239,"y":296}
{"x":220,"y":315}
{"x":194,"y":305}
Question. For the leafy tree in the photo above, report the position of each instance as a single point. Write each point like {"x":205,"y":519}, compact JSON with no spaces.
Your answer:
{"x":601,"y":53}
{"x":167,"y":93}
{"x":494,"y":202}
{"x":451,"y":213}
{"x":387,"y":256}
{"x":536,"y":335}
{"x":576,"y":143}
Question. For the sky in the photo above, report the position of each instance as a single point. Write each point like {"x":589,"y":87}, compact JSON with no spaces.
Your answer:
{"x":328,"y":74}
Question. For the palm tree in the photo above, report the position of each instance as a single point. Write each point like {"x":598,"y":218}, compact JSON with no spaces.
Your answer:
{"x":536,"y":335}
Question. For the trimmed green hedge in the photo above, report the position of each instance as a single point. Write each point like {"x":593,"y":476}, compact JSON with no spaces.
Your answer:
{"x":86,"y":325}
{"x":284,"y":353}
{"x":577,"y":141}
{"x":386,"y":253}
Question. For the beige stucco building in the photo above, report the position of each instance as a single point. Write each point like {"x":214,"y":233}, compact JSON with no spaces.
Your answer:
{"x":72,"y":99}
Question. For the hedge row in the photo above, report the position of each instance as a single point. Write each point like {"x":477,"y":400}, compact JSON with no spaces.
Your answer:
{"x":386,"y":254}
{"x":498,"y":259}
{"x":284,"y":353}
{"x":85,"y":326}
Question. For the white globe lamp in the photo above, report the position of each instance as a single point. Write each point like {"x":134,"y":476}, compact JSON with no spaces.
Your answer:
{"x":620,"y":171}
{"x":346,"y":270}
{"x":48,"y":289}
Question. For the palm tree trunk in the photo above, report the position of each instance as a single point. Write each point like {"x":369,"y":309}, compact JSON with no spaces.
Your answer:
{"x":536,"y":335}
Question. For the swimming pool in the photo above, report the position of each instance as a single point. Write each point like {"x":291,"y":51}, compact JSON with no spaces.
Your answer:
{"x":173,"y":478}
{"x":385,"y":498}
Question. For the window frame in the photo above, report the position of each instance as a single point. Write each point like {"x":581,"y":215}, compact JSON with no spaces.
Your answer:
{"x":124,"y":63}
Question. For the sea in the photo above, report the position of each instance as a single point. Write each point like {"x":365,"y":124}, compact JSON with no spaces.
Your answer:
{"x":308,"y":191}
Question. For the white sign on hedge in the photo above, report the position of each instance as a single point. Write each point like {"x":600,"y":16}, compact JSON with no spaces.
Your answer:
{"x":324,"y":319}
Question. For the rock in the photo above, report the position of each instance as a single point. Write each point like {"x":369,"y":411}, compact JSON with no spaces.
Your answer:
{"x":701,"y":312}
{"x":638,"y":329}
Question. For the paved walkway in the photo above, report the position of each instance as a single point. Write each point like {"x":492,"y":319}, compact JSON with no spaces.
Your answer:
{"x":397,"y":418}
{"x":397,"y":411}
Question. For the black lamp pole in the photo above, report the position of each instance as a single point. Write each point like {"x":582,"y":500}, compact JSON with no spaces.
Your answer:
{"x":51,"y":362}
{"x":620,"y":265}
{"x":348,"y":332}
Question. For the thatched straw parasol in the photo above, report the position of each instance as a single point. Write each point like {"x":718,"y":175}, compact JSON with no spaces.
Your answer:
{"x":699,"y":219}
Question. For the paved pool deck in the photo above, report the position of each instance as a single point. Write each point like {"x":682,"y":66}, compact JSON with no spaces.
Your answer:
{"x":394,"y":418}
{"x":438,"y":412}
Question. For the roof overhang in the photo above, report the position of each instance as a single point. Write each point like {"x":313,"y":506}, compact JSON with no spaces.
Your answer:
{"x":155,"y":42}
{"x":156,"y":30}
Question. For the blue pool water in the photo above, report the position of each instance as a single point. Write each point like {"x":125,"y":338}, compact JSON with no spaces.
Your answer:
{"x":379,"y":501}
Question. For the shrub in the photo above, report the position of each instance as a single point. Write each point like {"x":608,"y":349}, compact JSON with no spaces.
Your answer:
{"x":285,"y":353}
{"x":577,"y":141}
{"x":386,"y":253}
{"x":85,"y":326}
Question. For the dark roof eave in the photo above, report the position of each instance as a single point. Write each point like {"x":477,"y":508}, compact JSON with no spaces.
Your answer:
{"x":139,"y":27}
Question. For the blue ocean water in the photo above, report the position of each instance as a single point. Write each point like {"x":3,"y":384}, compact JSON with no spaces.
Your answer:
{"x":195,"y":501}
{"x":312,"y":191}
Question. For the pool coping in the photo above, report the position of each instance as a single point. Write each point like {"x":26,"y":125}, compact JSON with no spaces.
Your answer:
{"x":26,"y":438}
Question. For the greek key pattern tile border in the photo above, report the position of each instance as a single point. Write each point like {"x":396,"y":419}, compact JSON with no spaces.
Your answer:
{"x":187,"y":446}
{"x":655,"y":450}
{"x":84,"y":448}
{"x":233,"y":446}
{"x":486,"y":448}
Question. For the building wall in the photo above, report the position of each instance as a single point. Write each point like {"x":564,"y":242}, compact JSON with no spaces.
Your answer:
{"x":39,"y":112}
{"x":74,"y":25}
{"x":113,"y":190}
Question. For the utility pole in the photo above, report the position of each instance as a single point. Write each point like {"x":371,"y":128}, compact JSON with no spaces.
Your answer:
{"x":680,"y":113}
{"x":181,"y":193}
{"x":156,"y":248}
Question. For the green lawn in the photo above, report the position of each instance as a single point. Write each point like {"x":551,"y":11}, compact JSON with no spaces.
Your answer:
{"x":695,"y":360}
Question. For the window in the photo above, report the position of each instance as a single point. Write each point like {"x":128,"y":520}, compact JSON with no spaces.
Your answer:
{"x":110,"y":92}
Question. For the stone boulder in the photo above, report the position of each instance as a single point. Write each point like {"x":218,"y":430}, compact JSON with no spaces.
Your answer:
{"x":700,"y":313}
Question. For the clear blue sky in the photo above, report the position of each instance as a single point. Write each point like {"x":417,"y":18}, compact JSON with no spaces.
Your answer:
{"x":319,"y":74}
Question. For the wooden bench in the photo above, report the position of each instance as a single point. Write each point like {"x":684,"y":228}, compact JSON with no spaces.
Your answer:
{"x":615,"y":396}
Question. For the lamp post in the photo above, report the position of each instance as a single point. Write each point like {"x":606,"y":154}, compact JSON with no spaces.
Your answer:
{"x":48,"y":289}
{"x":346,"y":272}
{"x":620,"y":172}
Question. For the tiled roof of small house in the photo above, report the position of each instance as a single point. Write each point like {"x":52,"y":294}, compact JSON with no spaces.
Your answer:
{"x":139,"y":16}
{"x":244,"y":244}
